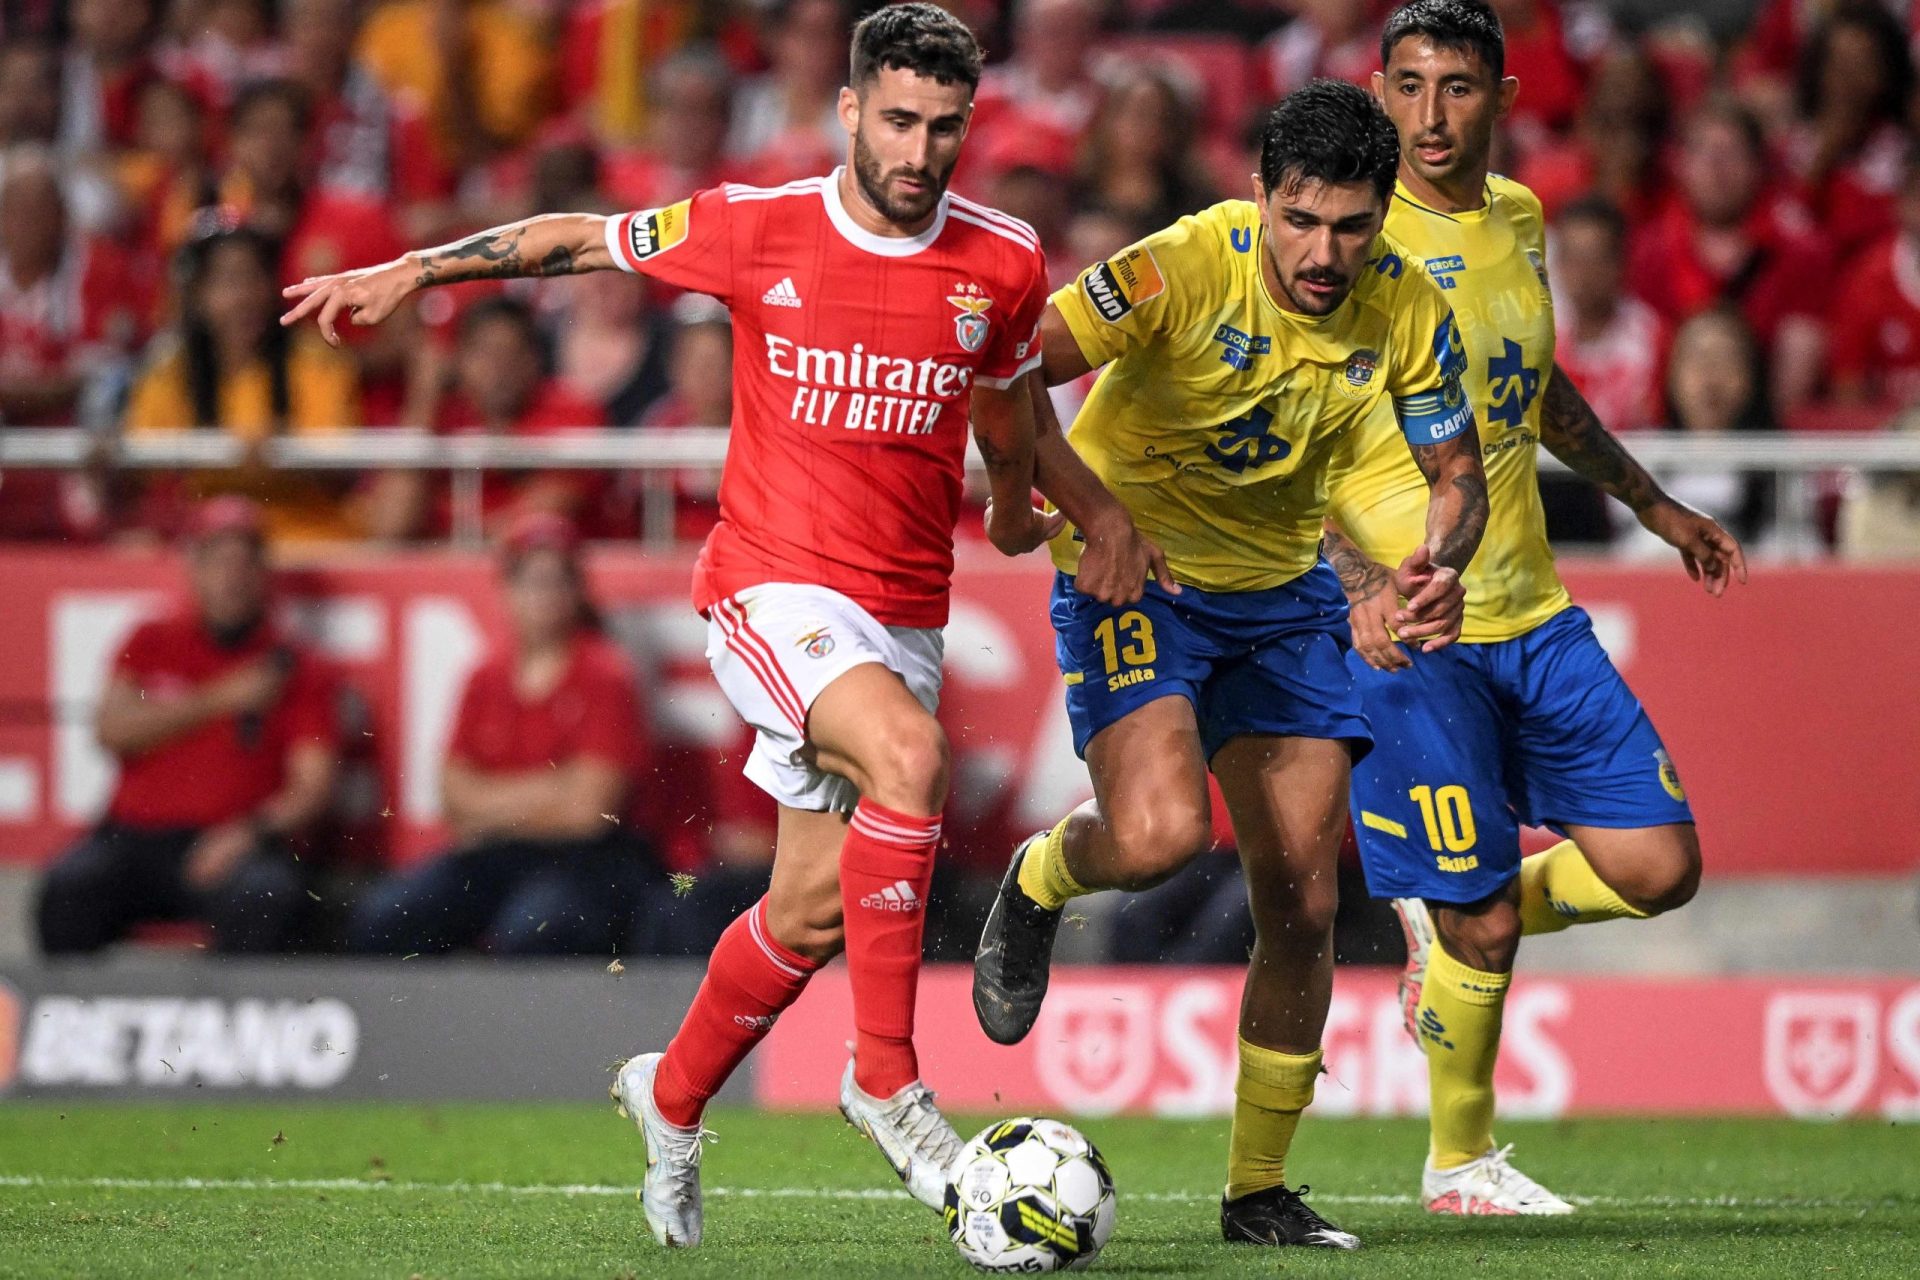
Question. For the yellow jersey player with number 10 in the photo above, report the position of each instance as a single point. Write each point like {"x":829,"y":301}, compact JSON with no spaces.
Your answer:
{"x":1525,"y":721}
{"x":1241,"y":347}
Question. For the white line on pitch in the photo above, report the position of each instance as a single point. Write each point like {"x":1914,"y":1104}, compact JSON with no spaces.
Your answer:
{"x":589,"y":1189}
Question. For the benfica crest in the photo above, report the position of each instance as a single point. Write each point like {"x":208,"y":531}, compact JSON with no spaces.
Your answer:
{"x":970,"y":326}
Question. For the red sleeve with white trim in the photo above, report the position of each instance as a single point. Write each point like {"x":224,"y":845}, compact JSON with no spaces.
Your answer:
{"x":689,"y":245}
{"x":1015,"y":349}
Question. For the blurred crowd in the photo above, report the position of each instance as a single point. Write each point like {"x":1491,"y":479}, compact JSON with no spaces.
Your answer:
{"x":1733,"y":190}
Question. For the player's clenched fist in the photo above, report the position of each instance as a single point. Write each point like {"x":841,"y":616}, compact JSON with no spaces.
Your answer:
{"x":368,"y":296}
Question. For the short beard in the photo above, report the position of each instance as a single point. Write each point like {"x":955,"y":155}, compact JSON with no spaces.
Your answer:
{"x":873,"y":185}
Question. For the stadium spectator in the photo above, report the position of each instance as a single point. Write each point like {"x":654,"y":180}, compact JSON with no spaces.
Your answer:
{"x":1848,"y":145}
{"x":1045,"y":93}
{"x":479,"y":68}
{"x":699,"y":394}
{"x":1330,"y":39}
{"x":367,"y":142}
{"x":1876,"y":316}
{"x":219,"y":45}
{"x":497,"y":383}
{"x":685,"y":151}
{"x":72,"y":312}
{"x":606,"y":50}
{"x":30,"y":116}
{"x":229,"y":366}
{"x":1138,"y":158}
{"x":1539,"y":54}
{"x":1714,"y":386}
{"x":226,"y":735}
{"x":166,"y":176}
{"x":1608,"y":340}
{"x":1727,"y":239}
{"x":1614,"y":149}
{"x":784,"y":122}
{"x":610,"y":344}
{"x":107,"y":62}
{"x":538,"y":786}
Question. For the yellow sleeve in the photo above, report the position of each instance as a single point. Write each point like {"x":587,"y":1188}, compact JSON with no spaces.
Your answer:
{"x":1124,"y":303}
{"x":1426,"y":362}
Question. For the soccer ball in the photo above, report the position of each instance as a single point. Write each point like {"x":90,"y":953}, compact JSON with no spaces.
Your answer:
{"x":1030,"y":1196}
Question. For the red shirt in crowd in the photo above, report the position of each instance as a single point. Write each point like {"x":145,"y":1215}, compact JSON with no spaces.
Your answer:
{"x":592,"y":713}
{"x":1875,"y":343}
{"x":227,"y":768}
{"x":552,"y":410}
{"x":1787,"y":274}
{"x":854,"y":358}
{"x":1621,"y":371}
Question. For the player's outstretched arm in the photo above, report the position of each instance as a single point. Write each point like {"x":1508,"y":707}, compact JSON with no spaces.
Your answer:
{"x":1573,"y":433}
{"x":556,"y":244}
{"x":1116,"y":561}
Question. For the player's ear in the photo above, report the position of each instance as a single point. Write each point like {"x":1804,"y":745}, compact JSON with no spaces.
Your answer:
{"x":1380,"y":88}
{"x":1509,"y":90}
{"x":848,"y":108}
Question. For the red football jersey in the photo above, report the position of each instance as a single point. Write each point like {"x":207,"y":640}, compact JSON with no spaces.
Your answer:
{"x":1876,"y":324}
{"x":854,"y":355}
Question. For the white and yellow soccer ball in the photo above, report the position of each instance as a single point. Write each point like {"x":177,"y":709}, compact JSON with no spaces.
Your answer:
{"x":1030,"y":1196}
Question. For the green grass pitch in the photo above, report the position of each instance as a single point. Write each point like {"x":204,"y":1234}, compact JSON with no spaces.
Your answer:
{"x":456,"y":1191}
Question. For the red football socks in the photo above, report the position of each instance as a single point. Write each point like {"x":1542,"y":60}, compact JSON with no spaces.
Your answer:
{"x":886,"y":868}
{"x":750,"y":980}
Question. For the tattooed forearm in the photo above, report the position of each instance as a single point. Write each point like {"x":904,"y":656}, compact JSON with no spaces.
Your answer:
{"x":1457,"y":508}
{"x":498,"y":254}
{"x":1360,"y":577}
{"x":1458,"y":543}
{"x":1573,"y":433}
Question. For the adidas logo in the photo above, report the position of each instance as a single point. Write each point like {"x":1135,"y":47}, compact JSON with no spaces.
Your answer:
{"x":782,"y":294}
{"x":755,"y":1022}
{"x":898,"y":896}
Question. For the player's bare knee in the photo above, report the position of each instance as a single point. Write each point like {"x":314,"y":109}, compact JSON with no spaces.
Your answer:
{"x":1294,"y":914}
{"x":812,"y":930}
{"x":1483,"y":936}
{"x":908,"y":768}
{"x":1153,"y":841}
{"x":1670,"y":878}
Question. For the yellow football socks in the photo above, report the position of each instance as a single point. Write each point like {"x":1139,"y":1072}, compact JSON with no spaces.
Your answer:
{"x":1043,"y":872}
{"x":1272,"y":1090}
{"x":1459,"y":1025}
{"x":1559,"y":887}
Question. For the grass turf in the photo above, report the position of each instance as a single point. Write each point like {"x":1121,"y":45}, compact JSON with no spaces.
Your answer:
{"x":335,"y":1190}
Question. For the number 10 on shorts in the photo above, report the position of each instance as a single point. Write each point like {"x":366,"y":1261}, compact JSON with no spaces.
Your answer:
{"x":1449,"y":820}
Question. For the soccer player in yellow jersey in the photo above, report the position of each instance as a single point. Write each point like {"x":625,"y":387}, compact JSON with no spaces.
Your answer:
{"x":1525,"y":721}
{"x":1241,"y":346}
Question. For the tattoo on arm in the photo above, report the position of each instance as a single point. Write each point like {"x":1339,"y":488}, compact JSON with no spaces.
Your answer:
{"x":491,"y":255}
{"x":1456,"y":549}
{"x":1573,"y":433}
{"x":1359,"y":576}
{"x":1468,"y":492}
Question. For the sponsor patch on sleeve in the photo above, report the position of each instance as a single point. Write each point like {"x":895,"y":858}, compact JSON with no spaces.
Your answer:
{"x":657,"y":230}
{"x":1120,"y":284}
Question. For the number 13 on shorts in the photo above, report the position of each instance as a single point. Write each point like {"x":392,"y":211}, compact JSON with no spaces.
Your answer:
{"x":1127,"y":639}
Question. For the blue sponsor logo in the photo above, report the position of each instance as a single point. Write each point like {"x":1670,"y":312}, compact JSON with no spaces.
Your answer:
{"x":1240,"y":348}
{"x":1242,"y":239}
{"x":1388,"y":264}
{"x":1443,"y":270}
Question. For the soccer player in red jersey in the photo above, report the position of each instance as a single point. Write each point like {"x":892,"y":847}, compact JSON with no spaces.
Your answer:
{"x":873,"y":313}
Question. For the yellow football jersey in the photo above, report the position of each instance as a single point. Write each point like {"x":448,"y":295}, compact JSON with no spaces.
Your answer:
{"x":1490,"y":263}
{"x":1219,"y":410}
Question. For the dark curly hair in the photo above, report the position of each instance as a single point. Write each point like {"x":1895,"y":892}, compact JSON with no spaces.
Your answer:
{"x":1461,"y":25}
{"x":1328,"y":131}
{"x":922,"y":38}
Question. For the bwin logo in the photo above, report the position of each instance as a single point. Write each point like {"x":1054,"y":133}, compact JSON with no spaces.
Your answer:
{"x":898,"y":896}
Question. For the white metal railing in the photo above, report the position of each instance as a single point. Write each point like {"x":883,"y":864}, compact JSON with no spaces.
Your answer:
{"x":1797,"y":459}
